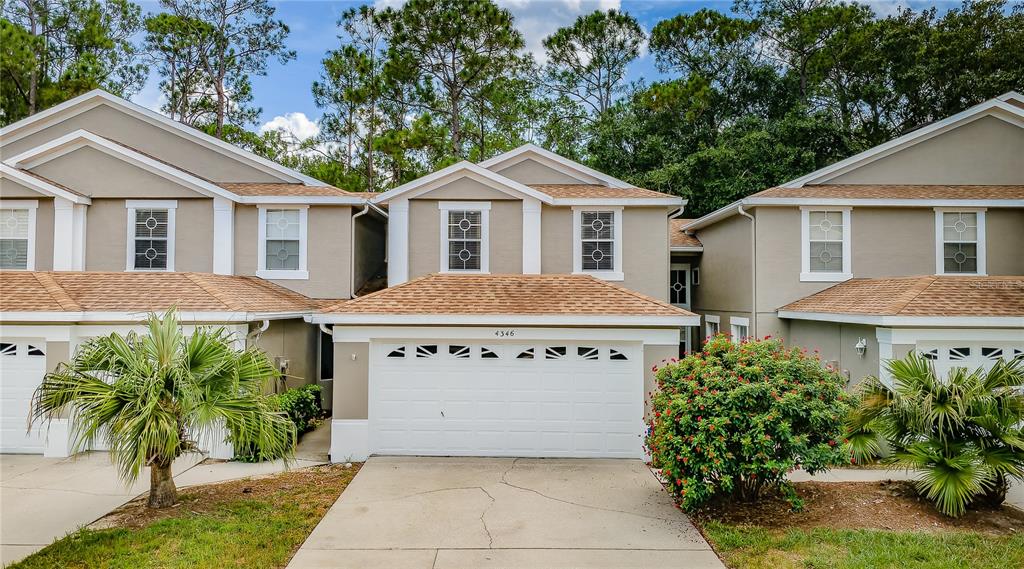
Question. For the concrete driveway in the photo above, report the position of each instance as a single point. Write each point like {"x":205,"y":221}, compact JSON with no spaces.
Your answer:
{"x":511,"y":513}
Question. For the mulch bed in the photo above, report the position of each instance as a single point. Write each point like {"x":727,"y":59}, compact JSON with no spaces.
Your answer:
{"x":887,"y":505}
{"x":318,"y":486}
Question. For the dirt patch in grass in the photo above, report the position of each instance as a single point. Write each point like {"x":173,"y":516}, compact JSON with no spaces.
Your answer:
{"x":887,"y":505}
{"x":318,"y":487}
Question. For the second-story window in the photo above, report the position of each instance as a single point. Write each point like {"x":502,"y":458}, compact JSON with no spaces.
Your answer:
{"x":464,"y":237}
{"x":960,"y":242}
{"x":597,"y":242}
{"x":825,"y":244}
{"x":282,"y":243}
{"x":150,"y":235}
{"x":17,"y":235}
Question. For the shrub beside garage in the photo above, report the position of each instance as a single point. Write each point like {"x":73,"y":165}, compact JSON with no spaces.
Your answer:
{"x":735,"y":418}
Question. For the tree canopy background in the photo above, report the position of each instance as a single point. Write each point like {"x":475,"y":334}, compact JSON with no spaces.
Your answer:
{"x":746,"y":99}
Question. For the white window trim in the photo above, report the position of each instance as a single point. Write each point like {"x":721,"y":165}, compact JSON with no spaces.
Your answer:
{"x":31,"y":206}
{"x":805,"y":247}
{"x":711,"y":319}
{"x":940,"y":265}
{"x":689,"y":288}
{"x":616,"y":274}
{"x":485,"y":235}
{"x":695,"y":276}
{"x":736,"y":321}
{"x":131,"y":206}
{"x":302,"y":273}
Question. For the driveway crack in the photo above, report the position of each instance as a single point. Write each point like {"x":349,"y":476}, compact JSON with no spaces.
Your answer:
{"x":490,"y":538}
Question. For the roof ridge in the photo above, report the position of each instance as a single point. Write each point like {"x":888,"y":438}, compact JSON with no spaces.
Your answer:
{"x":226,"y":300}
{"x":922,"y":284}
{"x":639,"y":295}
{"x":57,"y":292}
{"x":377,"y":292}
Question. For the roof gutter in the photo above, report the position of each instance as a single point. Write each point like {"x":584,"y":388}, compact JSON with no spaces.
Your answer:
{"x":753,"y":269}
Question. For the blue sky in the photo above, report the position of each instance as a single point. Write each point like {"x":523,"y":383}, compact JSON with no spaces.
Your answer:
{"x":284,"y":93}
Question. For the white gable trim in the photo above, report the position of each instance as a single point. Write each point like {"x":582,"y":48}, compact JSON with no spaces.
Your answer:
{"x":461,"y":170}
{"x":995,"y":108}
{"x":81,"y":138}
{"x":96,"y":97}
{"x":40,"y":185}
{"x":554,"y":161}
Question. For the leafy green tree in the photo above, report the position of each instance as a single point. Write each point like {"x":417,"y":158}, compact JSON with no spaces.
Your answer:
{"x":149,"y":396}
{"x":55,"y":50}
{"x":587,"y":61}
{"x":222,"y":43}
{"x":963,"y":434}
{"x":450,"y":52}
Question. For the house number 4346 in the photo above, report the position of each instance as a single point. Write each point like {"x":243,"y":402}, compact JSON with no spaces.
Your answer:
{"x":504,"y":333}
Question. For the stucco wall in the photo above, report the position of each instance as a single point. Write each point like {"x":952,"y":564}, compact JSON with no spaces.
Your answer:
{"x":505,"y":236}
{"x":835,"y":342}
{"x":110,"y":123}
{"x":986,"y":151}
{"x":532,"y":172}
{"x":1004,"y":229}
{"x":99,"y":175}
{"x":725,"y":268}
{"x":107,"y":235}
{"x":369,"y":248}
{"x":294,"y":340}
{"x":654,"y":356}
{"x":351,"y":380}
{"x":327,"y":251}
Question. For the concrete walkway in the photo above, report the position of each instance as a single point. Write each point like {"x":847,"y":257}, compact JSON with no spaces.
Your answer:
{"x":1015,"y":497}
{"x":511,"y":513}
{"x":44,"y":499}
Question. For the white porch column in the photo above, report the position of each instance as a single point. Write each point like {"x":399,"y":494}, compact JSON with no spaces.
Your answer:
{"x":398,"y":242}
{"x":531,"y":236}
{"x":223,"y":236}
{"x":63,"y":234}
{"x":79,"y":233}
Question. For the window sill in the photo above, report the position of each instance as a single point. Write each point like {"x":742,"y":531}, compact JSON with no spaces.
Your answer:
{"x":603,"y":275}
{"x":283,"y":275}
{"x":961,"y":274}
{"x":825,"y":277}
{"x":167,"y":270}
{"x":448,"y":272}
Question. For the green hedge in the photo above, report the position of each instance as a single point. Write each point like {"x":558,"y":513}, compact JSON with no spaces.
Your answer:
{"x":734,"y":419}
{"x":303,"y":407}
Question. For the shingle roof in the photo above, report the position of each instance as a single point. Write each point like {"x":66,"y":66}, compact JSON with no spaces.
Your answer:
{"x":449,"y":294}
{"x":595,"y":191}
{"x":24,"y":291}
{"x":919,"y":296}
{"x":897,"y":191}
{"x":679,"y":238}
{"x":282,"y":189}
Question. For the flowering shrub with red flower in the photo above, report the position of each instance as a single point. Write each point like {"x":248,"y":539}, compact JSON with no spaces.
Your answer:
{"x":734,"y":419}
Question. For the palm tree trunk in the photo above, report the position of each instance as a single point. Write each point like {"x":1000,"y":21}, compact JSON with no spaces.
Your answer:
{"x":162,"y":492}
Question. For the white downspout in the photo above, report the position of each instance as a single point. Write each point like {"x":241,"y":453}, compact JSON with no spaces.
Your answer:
{"x":352,"y":257}
{"x":753,"y":270}
{"x":263,"y":328}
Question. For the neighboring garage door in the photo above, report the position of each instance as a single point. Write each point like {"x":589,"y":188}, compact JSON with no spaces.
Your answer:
{"x":22,"y":366}
{"x":971,"y":355}
{"x":505,"y":399}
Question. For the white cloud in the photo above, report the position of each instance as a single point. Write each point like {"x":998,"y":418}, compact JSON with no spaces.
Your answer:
{"x":886,"y":8}
{"x":150,"y":95}
{"x":296,"y":124}
{"x":538,"y":19}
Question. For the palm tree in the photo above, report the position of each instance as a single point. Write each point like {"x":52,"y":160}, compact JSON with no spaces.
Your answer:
{"x":964,"y":433}
{"x":150,"y":396}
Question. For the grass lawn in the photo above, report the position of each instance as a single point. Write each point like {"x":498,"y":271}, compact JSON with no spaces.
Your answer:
{"x":883,"y":524}
{"x":742,"y":547}
{"x":247,"y":523}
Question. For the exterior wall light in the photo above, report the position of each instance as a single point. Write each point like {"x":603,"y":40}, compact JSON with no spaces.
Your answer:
{"x":861,"y":346}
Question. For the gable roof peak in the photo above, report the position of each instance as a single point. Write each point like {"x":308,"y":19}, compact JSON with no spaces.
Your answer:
{"x":551,"y":159}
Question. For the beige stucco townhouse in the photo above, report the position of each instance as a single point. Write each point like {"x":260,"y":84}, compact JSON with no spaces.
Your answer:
{"x":916,"y":244}
{"x":527,"y":295}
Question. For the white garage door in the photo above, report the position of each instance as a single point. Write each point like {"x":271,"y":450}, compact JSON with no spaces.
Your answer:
{"x":971,"y":355}
{"x":22,"y":366}
{"x":495,"y":399}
